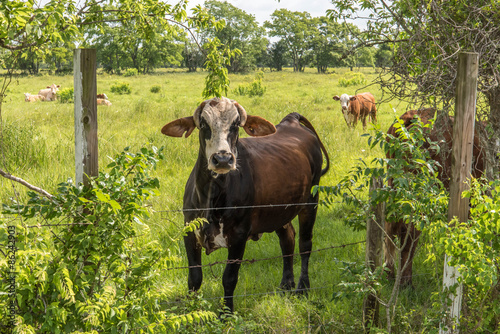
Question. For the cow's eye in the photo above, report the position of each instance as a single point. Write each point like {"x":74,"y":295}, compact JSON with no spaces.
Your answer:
{"x":203,"y":124}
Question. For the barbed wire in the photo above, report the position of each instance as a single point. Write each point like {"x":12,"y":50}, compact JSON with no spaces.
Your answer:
{"x":261,"y":206}
{"x":274,"y":292}
{"x":265,"y":259}
{"x":265,"y":206}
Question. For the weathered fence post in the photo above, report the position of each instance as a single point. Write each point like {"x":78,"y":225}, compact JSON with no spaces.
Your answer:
{"x":374,"y":255}
{"x":463,"y":138}
{"x":85,"y":90}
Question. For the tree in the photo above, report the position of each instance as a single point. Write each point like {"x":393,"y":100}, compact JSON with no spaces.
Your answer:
{"x":192,"y":56}
{"x":383,"y":56}
{"x":118,"y":48}
{"x":241,"y":32}
{"x":277,"y":55}
{"x":323,"y":43}
{"x":297,"y":30}
{"x":366,"y":57}
{"x":427,"y":37}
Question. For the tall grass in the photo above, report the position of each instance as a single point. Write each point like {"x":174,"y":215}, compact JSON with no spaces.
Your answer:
{"x":44,"y":156}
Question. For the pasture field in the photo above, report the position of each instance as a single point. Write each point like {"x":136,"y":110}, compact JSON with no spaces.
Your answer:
{"x":39,"y":142}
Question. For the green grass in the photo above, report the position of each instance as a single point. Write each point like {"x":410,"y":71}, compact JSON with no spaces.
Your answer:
{"x":136,"y":119}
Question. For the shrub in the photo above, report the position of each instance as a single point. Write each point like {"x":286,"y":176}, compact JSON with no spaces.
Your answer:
{"x":155,"y":89}
{"x":66,"y":95}
{"x":352,"y":79}
{"x":255,"y":88}
{"x":130,"y":72}
{"x":90,"y":272}
{"x":121,"y":88}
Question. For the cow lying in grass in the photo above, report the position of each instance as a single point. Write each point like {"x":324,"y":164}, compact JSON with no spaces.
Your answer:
{"x":32,"y":98}
{"x":50,"y":93}
{"x":103,"y":102}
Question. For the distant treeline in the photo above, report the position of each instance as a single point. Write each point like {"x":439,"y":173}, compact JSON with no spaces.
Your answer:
{"x":289,"y":39}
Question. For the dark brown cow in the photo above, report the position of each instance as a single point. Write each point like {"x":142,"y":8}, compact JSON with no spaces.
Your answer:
{"x":245,"y":187}
{"x":442,"y":131}
{"x":357,"y":107}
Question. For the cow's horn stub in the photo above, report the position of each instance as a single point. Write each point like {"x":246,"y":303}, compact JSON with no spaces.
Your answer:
{"x":242,"y":112}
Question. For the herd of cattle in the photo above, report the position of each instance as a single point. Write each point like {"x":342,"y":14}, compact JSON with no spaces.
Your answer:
{"x":50,"y":94}
{"x":245,"y":187}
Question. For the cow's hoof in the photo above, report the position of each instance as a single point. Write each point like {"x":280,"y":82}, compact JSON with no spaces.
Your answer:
{"x":287,"y":285}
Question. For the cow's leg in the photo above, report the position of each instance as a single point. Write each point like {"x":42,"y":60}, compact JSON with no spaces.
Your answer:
{"x":193,"y":250}
{"x":363,"y":120}
{"x":230,"y":276}
{"x":287,"y":244}
{"x":307,"y":218}
{"x":373,"y":114}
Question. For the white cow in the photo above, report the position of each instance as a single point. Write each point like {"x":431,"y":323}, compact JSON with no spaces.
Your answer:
{"x":32,"y":98}
{"x":50,"y":92}
{"x":103,"y":102}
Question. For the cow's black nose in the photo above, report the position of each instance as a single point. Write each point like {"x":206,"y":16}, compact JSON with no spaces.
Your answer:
{"x":222,"y":160}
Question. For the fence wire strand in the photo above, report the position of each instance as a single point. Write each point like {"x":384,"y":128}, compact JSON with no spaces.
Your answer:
{"x":265,"y":259}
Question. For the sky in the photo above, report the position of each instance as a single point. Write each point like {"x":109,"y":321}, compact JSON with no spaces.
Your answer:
{"x":262,"y":9}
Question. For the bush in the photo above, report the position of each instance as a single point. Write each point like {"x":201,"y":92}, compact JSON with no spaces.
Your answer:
{"x":155,"y":89}
{"x":130,"y":72}
{"x":352,"y":79}
{"x":66,"y":95}
{"x":91,"y":272}
{"x":254,"y":88}
{"x":121,"y":88}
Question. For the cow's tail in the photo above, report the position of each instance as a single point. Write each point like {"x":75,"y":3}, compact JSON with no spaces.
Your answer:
{"x":304,"y":121}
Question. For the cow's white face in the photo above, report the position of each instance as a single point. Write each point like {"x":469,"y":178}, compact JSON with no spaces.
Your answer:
{"x":219,"y":121}
{"x":345,"y":101}
{"x":54,"y":89}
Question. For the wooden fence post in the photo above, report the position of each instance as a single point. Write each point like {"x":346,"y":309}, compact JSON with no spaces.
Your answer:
{"x":463,"y":138}
{"x":85,"y":91}
{"x":374,"y":255}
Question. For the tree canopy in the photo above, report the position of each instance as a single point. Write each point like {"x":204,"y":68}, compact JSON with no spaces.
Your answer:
{"x":30,"y":26}
{"x":426,"y":38}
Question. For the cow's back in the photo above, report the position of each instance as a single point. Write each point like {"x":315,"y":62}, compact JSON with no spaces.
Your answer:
{"x":442,"y":132}
{"x":366,"y":103}
{"x":283,"y":168}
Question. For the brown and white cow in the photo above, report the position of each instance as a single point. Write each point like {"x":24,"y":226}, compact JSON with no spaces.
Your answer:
{"x":357,"y":107}
{"x":442,"y":132}
{"x":32,"y":98}
{"x":103,"y":102}
{"x":50,"y":93}
{"x":244,"y":187}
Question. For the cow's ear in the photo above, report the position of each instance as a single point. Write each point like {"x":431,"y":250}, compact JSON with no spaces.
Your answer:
{"x":336,"y":98}
{"x":257,"y":126}
{"x":352,"y":98}
{"x":179,"y":126}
